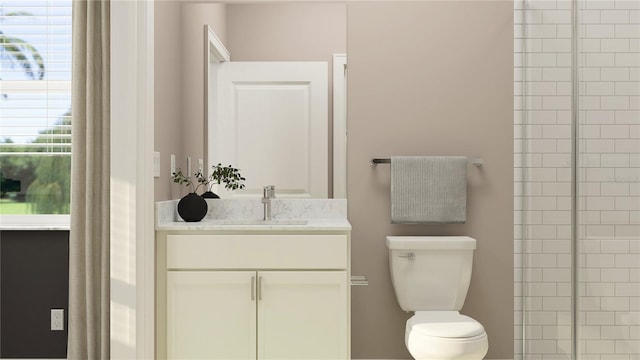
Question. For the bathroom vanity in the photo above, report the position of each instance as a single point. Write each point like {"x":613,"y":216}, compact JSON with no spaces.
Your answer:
{"x":235,"y":287}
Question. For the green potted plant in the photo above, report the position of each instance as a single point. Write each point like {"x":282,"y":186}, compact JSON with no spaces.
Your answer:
{"x":191,"y":207}
{"x":228,"y":175}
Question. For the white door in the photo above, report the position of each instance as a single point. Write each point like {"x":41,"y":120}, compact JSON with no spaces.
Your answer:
{"x":211,"y":315}
{"x":302,"y":315}
{"x":271,"y":121}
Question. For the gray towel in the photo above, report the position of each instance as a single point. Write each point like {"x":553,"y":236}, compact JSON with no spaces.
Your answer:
{"x":428,"y":189}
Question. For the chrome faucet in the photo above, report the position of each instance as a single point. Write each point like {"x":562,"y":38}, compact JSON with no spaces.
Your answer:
{"x":268,"y":193}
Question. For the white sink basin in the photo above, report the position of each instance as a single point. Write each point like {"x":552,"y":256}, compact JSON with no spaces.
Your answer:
{"x":254,"y":222}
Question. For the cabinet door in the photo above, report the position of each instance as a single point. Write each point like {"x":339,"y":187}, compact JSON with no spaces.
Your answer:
{"x":211,"y":315}
{"x":302,"y":315}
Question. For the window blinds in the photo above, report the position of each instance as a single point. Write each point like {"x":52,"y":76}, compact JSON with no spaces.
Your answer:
{"x":35,"y":77}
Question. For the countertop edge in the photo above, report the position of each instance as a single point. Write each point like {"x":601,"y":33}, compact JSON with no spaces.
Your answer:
{"x":332,"y":225}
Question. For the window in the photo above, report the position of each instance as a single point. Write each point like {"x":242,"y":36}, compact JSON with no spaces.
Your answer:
{"x":35,"y":107}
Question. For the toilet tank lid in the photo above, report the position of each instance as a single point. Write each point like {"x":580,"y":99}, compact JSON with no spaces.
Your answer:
{"x":430,"y":242}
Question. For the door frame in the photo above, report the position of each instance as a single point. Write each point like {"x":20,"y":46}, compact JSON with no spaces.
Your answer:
{"x":132,"y":245}
{"x":339,"y":126}
{"x":215,"y":53}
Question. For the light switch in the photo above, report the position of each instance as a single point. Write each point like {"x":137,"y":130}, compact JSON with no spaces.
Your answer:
{"x":156,"y":164}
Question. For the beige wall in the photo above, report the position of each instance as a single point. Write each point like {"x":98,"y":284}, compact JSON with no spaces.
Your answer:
{"x":286,"y":31}
{"x":167,"y":92}
{"x":430,"y":78}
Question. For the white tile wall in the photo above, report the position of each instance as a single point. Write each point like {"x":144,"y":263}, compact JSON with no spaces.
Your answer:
{"x":609,"y":179}
{"x":608,"y":259}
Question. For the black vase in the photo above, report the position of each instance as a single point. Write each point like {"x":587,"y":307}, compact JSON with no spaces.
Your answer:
{"x":192,"y":207}
{"x":210,"y":195}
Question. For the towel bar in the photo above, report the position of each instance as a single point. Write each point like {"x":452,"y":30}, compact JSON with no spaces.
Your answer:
{"x":477,"y":162}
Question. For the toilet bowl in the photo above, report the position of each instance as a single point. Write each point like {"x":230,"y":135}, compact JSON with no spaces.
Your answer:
{"x":445,"y":335}
{"x":431,"y":276}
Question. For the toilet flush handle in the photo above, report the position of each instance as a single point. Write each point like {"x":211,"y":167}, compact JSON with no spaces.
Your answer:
{"x":410,"y":256}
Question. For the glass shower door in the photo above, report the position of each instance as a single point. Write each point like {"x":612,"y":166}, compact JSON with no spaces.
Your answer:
{"x":577,"y":200}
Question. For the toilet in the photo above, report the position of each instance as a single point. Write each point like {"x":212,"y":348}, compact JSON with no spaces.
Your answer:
{"x":431,"y":276}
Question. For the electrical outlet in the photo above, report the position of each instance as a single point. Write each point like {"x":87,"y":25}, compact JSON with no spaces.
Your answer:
{"x":57,"y":319}
{"x":173,"y":165}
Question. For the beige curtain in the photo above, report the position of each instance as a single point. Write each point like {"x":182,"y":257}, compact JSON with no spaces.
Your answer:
{"x":89,"y":235}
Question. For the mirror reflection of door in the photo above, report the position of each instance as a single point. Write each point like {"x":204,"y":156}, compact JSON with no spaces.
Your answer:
{"x":271,"y":121}
{"x":280,"y":127}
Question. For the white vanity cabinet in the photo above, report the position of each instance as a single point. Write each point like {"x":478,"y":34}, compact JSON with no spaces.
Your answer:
{"x":269,"y":295}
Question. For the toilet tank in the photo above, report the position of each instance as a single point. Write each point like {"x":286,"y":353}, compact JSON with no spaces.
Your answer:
{"x":430,"y":273}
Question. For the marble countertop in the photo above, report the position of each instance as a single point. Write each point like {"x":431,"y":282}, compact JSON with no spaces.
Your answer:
{"x":245,"y":214}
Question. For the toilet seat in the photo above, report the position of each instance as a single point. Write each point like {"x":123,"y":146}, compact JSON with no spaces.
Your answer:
{"x":445,"y":335}
{"x":445,"y":324}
